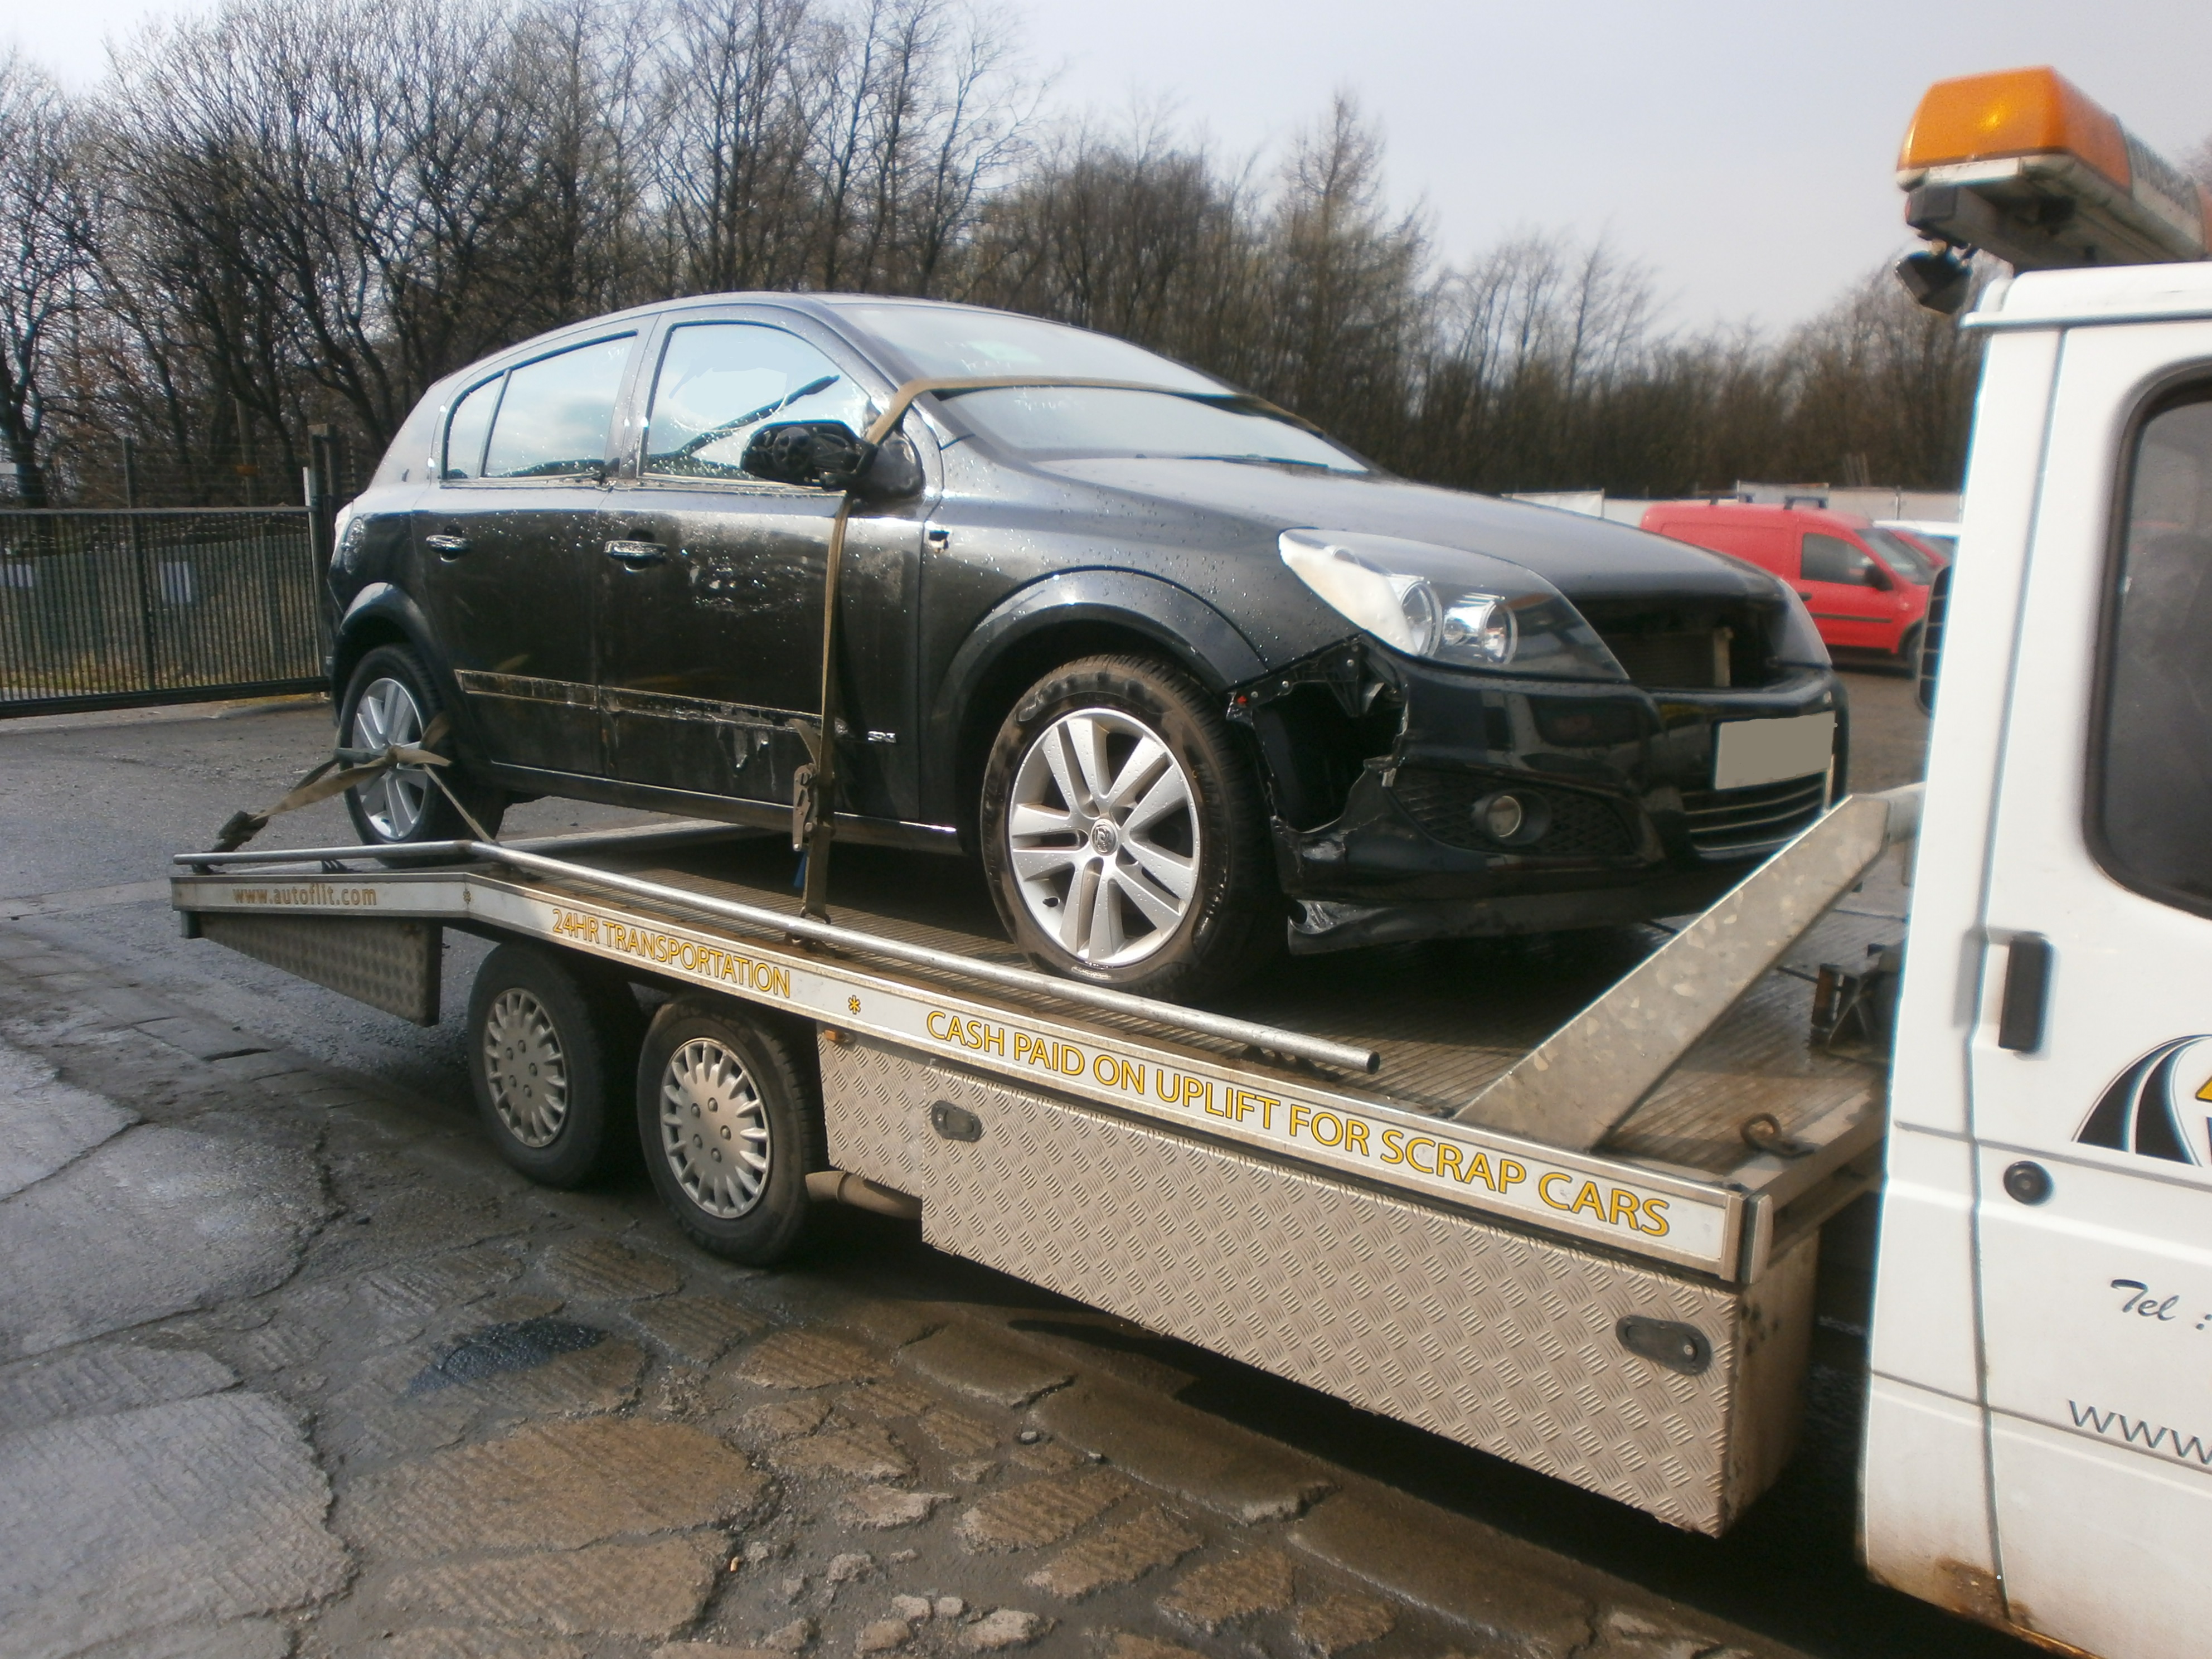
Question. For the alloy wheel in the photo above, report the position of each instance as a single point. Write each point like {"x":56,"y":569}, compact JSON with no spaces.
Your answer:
{"x":1102,"y":832}
{"x":388,"y":714}
{"x":714,"y":1129}
{"x":524,"y":1070}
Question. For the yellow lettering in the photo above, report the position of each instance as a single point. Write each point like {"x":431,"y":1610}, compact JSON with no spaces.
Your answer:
{"x":1448,"y":1161}
{"x":935,"y":1015}
{"x":1168,"y":1086}
{"x":1588,"y":1199}
{"x":1355,"y":1137}
{"x":1624,"y":1204}
{"x":1394,"y":1147}
{"x":1021,"y":1045}
{"x":1655,"y":1209}
{"x":1421,"y":1141}
{"x":1071,"y":1061}
{"x":1334,"y":1133}
{"x":1509,"y":1172}
{"x":1298,"y":1116}
{"x":1544,"y":1189}
{"x":1480,"y":1170}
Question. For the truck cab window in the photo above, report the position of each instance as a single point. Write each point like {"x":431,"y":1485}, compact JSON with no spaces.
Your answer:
{"x":553,"y":421}
{"x":2151,"y":801}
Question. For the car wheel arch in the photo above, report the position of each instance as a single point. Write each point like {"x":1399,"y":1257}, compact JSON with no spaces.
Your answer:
{"x":383,"y":613}
{"x":1068,"y":615}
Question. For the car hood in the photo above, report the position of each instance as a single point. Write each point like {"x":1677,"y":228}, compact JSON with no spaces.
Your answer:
{"x":1581,"y":555}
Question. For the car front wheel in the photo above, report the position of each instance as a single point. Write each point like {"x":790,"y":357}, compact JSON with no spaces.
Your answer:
{"x":1123,"y":833}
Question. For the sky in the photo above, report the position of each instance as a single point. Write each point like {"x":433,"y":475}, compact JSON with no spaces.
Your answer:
{"x":1742,"y":152}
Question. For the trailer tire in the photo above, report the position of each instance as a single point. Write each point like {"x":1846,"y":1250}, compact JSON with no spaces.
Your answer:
{"x":731,"y":1127}
{"x":550,"y":1051}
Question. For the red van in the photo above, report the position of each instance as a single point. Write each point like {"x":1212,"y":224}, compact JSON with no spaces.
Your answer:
{"x":1866,"y":587}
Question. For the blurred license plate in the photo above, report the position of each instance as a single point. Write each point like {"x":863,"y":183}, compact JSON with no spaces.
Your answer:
{"x":1748,"y":752}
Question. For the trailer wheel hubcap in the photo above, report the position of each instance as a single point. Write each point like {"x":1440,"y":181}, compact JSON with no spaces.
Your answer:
{"x":1102,"y":832}
{"x":387,"y":714}
{"x":714,"y":1129}
{"x":525,"y":1069}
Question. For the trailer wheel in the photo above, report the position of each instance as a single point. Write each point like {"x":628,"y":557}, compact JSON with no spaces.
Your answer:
{"x":549,"y":1054}
{"x":730,"y":1129}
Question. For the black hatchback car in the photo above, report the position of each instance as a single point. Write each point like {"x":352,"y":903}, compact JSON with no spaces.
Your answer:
{"x":1189,"y":677}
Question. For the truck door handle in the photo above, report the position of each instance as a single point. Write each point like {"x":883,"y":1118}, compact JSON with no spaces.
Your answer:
{"x":2027,"y":994}
{"x":635,"y":553}
{"x":447,"y":545}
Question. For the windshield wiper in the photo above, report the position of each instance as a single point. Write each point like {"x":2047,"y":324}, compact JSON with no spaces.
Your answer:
{"x":714,"y":434}
{"x":1262,"y":460}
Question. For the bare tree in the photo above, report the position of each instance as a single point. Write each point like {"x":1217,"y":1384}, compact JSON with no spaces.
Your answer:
{"x":45,"y":258}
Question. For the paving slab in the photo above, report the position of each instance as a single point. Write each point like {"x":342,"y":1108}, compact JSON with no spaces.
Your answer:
{"x":984,"y":1365}
{"x":1470,"y":1573}
{"x":155,"y":1221}
{"x":94,"y":1379}
{"x":554,"y":1486}
{"x":1199,"y":1457}
{"x":1042,"y":1511}
{"x":198,"y":1509}
{"x":651,"y":1590}
{"x":45,"y":1123}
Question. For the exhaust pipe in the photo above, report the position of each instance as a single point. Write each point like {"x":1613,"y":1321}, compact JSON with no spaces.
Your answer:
{"x":842,"y":1187}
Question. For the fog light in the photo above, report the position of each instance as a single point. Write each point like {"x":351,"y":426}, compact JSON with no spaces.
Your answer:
{"x":1512,"y":819}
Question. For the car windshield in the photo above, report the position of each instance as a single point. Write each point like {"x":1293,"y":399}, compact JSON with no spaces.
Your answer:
{"x":1902,"y":556}
{"x":1209,"y":421}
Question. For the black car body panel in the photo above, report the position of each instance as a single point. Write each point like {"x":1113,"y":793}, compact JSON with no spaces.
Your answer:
{"x":655,"y":640}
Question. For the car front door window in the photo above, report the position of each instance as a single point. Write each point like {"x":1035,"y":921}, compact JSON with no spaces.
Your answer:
{"x":1846,"y":593}
{"x":710,"y":612}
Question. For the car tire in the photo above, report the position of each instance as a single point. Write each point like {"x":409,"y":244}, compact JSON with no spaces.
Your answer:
{"x":1908,"y":650}
{"x":391,"y":698}
{"x":551,"y":1052}
{"x":730,"y":1121}
{"x":1175,"y":895}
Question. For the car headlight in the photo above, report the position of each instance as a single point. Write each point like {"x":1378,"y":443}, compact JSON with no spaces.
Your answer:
{"x":1448,"y":606}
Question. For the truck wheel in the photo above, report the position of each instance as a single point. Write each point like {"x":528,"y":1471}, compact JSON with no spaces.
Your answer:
{"x":731,"y":1128}
{"x":549,"y":1056}
{"x":1123,"y":833}
{"x":391,"y":700}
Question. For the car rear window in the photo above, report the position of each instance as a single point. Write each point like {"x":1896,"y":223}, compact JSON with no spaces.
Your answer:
{"x":553,"y":421}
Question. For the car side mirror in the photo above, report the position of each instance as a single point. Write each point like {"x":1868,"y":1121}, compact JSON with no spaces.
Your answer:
{"x":830,"y":455}
{"x":1879,"y":579}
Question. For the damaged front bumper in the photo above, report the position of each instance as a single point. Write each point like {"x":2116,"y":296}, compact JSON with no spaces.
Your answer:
{"x":1613,"y":783}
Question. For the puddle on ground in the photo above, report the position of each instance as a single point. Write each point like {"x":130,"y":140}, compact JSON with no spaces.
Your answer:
{"x":517,"y":1347}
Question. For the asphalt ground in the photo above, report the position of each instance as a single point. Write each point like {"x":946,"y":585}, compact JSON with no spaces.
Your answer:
{"x":301,"y":1346}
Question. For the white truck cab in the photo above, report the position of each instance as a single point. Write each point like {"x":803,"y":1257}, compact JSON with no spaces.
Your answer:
{"x":2039,"y":1444}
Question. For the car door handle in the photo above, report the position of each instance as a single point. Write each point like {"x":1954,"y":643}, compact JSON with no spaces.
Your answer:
{"x":634,"y":554}
{"x":1803,"y":595}
{"x":446,"y":546}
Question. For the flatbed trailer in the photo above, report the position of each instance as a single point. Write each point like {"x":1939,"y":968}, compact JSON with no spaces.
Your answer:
{"x":1301,"y":1177}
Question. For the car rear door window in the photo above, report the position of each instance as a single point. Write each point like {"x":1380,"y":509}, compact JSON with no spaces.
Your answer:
{"x":466,"y":432}
{"x":720,"y":383}
{"x":2151,"y":798}
{"x":1832,"y":559}
{"x":553,"y":421}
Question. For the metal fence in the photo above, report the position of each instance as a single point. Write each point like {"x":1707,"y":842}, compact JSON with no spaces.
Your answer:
{"x":109,"y":610}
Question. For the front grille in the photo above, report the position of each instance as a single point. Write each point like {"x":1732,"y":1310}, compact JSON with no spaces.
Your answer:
{"x":1744,"y":820}
{"x":1693,"y":662}
{"x":1442,"y":801}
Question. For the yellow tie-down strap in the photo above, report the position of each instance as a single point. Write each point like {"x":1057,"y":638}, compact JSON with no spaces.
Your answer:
{"x":1585,"y":1196}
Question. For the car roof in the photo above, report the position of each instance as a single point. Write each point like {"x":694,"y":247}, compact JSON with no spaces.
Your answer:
{"x":1758,"y":512}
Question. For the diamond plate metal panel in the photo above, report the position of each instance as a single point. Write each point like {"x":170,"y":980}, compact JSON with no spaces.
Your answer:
{"x":1500,"y":1339}
{"x":391,"y":965}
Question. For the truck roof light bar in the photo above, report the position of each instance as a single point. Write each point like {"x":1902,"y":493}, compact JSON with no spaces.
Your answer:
{"x":2024,"y":165}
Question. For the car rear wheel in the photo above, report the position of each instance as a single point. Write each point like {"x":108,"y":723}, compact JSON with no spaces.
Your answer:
{"x":1123,"y":833}
{"x":391,"y":702}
